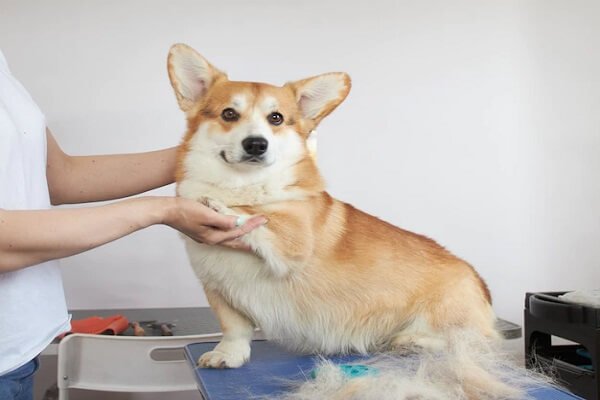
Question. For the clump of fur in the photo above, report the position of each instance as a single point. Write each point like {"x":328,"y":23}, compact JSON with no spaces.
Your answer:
{"x":469,"y":369}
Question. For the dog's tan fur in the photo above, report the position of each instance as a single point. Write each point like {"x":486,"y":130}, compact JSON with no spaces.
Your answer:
{"x":366,"y":283}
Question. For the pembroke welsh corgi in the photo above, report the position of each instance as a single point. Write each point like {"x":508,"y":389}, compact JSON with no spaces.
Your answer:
{"x":322,"y":276}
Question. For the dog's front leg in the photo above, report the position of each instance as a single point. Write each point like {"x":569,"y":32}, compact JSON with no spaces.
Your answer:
{"x":280,"y":258}
{"x":285,"y":243}
{"x":234,"y":349}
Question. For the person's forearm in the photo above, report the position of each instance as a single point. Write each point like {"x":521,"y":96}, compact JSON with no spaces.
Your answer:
{"x":96,"y":178}
{"x":31,"y":237}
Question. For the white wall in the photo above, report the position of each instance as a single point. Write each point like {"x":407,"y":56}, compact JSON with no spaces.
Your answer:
{"x":474,"y":122}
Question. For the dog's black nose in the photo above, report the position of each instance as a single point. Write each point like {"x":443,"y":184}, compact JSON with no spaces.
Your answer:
{"x":255,"y":145}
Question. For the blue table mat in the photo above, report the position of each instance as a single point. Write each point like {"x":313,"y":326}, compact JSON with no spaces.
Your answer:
{"x":271,"y":369}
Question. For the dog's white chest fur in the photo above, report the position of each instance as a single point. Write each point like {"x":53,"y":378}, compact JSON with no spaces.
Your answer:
{"x":241,"y":279}
{"x":244,"y":281}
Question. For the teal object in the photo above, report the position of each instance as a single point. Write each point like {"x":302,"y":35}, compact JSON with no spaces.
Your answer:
{"x":585,"y":354}
{"x":351,"y":370}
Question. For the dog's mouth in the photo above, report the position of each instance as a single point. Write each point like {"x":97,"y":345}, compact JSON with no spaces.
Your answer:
{"x":247,"y":159}
{"x":253,"y":159}
{"x":224,"y":157}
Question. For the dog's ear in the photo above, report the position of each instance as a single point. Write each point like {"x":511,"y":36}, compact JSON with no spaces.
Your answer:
{"x":190,"y":74}
{"x":318,"y":96}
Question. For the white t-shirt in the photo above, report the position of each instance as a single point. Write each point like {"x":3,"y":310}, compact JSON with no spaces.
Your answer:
{"x":32,"y":302}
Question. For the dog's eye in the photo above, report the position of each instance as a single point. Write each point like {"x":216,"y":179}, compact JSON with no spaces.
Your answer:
{"x":230,"y":115}
{"x":275,"y":118}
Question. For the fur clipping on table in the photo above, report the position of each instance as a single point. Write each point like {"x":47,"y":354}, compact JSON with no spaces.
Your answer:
{"x":470,"y":369}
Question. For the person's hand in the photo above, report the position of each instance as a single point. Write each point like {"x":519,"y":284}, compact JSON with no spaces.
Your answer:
{"x":205,"y":225}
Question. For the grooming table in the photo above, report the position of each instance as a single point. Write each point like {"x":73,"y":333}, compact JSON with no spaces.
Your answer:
{"x":269,"y":369}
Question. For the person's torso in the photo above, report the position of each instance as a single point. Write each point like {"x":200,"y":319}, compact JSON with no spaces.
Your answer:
{"x":32,"y":305}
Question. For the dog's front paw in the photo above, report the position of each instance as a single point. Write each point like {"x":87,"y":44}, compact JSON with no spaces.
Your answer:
{"x":215,"y":205}
{"x":226,"y":355}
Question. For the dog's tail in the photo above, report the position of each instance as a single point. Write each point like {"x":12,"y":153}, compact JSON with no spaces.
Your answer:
{"x":471,"y":368}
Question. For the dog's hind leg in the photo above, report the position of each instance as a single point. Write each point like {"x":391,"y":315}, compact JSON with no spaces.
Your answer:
{"x":419,"y":335}
{"x":234,"y":349}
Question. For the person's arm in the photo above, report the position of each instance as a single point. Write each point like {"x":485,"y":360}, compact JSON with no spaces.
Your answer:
{"x":83,"y":179}
{"x":31,"y":237}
